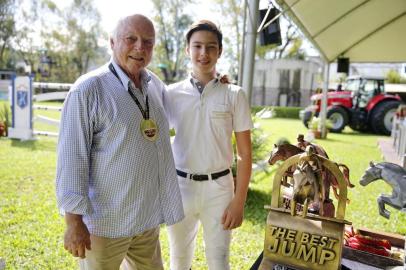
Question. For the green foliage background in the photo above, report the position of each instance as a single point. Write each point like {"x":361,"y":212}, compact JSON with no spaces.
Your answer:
{"x":394,"y":77}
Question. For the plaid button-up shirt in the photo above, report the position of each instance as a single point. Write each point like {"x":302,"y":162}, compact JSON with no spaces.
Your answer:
{"x":107,"y":171}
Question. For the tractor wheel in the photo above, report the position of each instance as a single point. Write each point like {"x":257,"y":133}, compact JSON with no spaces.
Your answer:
{"x":359,"y":120}
{"x":382,"y":117}
{"x":338,"y":118}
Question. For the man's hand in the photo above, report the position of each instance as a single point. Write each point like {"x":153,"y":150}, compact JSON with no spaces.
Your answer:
{"x":77,"y":236}
{"x":233,"y":215}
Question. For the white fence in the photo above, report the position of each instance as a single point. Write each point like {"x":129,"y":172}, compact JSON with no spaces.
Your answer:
{"x":46,"y":120}
{"x":22,"y":100}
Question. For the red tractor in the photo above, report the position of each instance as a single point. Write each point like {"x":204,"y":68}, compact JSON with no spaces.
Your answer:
{"x":362,"y":104}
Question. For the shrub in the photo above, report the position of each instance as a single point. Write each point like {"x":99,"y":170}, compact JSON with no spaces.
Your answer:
{"x":259,"y":144}
{"x":281,"y":112}
{"x":394,"y":77}
{"x":5,"y":117}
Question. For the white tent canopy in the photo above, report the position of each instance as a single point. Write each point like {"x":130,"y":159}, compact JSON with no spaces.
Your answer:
{"x":362,"y":30}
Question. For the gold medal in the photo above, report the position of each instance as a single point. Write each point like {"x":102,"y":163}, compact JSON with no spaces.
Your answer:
{"x":149,"y":129}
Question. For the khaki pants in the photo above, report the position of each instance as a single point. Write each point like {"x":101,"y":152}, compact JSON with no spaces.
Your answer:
{"x":140,"y":252}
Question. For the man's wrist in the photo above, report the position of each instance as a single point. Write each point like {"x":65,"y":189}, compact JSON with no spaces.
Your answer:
{"x":240,"y":199}
{"x":73,"y":219}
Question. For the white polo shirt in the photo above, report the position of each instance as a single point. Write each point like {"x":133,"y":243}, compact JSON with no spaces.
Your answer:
{"x":204,"y":124}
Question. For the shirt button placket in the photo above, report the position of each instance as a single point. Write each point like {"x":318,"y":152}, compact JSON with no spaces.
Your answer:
{"x":202,"y":105}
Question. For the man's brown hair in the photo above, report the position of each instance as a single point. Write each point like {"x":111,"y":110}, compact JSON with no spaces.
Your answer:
{"x":205,"y":25}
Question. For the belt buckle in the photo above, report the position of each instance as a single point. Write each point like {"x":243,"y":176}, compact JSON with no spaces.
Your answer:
{"x":191,"y":176}
{"x":198,"y":177}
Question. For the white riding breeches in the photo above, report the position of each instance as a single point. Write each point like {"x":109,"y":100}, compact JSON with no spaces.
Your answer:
{"x":203,"y":202}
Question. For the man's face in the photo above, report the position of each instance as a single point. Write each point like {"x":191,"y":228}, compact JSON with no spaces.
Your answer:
{"x":133,"y":45}
{"x":204,"y":50}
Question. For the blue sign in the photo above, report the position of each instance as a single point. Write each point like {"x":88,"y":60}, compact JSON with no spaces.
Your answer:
{"x":22,"y":99}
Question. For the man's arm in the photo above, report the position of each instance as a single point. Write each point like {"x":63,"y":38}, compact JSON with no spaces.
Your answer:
{"x":77,"y":236}
{"x":73,"y":170}
{"x":234,"y":213}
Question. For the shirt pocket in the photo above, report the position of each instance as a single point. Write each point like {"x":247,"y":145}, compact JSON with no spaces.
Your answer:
{"x":219,"y":111}
{"x":221,"y":119}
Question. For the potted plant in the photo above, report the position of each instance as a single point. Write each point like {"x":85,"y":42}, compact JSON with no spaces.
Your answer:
{"x":314,"y":127}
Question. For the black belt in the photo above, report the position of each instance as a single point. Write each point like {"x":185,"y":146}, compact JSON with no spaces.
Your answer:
{"x":202,"y":177}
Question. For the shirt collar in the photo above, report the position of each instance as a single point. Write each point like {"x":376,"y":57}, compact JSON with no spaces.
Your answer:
{"x":198,"y":85}
{"x":145,"y":77}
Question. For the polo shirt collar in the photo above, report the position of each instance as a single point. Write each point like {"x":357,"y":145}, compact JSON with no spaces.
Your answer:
{"x":199,"y":86}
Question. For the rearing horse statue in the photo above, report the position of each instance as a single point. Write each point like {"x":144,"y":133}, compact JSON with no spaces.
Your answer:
{"x":395,"y":176}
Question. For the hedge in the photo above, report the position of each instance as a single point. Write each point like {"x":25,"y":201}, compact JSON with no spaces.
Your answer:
{"x":280,"y":112}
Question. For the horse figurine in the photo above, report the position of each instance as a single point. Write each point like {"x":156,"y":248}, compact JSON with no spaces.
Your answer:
{"x":395,"y":176}
{"x":285,"y":151}
{"x":305,"y":188}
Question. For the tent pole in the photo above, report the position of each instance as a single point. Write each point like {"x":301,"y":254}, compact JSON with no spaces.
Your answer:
{"x":323,"y":110}
{"x":249,"y":55}
{"x":242,"y":49}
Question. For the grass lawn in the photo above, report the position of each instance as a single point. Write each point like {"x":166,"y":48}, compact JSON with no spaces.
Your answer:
{"x":32,"y":230}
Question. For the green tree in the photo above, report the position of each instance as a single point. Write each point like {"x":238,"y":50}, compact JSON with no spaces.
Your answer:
{"x":59,"y":45}
{"x":7,"y":29}
{"x":171,"y":23}
{"x":83,"y":24}
{"x":291,"y":44}
{"x":392,"y":76}
{"x":232,"y":13}
{"x":26,"y":37}
{"x":72,"y":45}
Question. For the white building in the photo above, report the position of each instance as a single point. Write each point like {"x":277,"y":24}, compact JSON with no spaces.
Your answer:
{"x":284,"y":82}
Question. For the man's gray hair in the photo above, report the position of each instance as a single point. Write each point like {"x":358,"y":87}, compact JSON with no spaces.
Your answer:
{"x":115,"y":31}
{"x":122,"y":21}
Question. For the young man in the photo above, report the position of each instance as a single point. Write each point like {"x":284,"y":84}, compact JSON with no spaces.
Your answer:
{"x":204,"y":113}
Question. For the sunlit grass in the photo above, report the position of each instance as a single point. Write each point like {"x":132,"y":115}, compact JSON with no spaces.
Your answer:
{"x":32,"y":230}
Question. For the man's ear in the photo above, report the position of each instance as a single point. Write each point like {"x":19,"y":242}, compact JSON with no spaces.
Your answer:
{"x":220,"y":51}
{"x":187,"y":50}
{"x":111,"y":43}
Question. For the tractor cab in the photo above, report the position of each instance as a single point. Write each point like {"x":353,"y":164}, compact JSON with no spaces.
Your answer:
{"x":364,"y":90}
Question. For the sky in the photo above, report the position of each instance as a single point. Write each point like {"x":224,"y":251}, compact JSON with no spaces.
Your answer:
{"x":112,"y":10}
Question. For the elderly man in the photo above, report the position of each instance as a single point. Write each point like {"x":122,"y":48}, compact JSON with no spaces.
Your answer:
{"x":116,"y":180}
